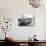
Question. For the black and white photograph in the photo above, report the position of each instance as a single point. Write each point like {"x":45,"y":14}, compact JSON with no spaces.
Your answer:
{"x":26,"y":20}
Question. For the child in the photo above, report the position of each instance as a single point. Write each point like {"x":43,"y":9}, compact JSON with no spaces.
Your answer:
{"x":35,"y":38}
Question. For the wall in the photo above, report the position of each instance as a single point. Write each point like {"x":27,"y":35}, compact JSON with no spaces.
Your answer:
{"x":12,"y":8}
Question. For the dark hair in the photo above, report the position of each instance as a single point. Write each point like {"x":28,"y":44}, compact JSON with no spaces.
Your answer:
{"x":34,"y":35}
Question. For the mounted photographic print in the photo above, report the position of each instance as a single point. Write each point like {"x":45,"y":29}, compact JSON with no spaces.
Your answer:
{"x":26,"y":20}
